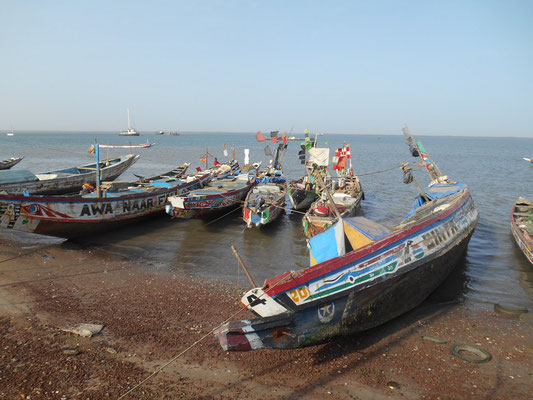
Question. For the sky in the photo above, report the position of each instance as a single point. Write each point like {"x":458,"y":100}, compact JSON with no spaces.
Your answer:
{"x":350,"y":67}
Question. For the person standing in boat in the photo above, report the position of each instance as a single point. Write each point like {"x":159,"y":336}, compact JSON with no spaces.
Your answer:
{"x":216,"y":162}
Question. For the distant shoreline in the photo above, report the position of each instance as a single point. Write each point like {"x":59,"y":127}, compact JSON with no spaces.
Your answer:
{"x":297,"y":134}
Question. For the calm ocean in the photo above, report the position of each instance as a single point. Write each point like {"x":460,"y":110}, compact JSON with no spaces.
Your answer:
{"x":494,"y":270}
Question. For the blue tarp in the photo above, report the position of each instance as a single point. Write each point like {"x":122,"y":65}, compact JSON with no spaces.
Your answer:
{"x":437,"y":191}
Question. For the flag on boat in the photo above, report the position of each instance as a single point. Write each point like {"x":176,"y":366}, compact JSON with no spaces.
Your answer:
{"x":225,"y":151}
{"x":274,"y":140}
{"x":273,"y":134}
{"x":284,"y":137}
{"x":340,"y":158}
{"x":259,"y":137}
{"x":203,"y":159}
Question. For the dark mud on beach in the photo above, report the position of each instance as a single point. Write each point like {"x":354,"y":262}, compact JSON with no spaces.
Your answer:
{"x":151,"y":318}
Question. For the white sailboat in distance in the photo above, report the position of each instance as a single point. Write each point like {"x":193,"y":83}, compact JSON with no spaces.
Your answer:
{"x":131,"y":130}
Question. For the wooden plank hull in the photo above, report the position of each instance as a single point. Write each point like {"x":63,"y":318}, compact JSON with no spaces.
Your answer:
{"x":301,"y":199}
{"x":273,"y":207}
{"x":207,"y":206}
{"x":522,"y":225}
{"x":314,"y":224}
{"x":72,"y":182}
{"x":359,"y":290}
{"x":74,"y":216}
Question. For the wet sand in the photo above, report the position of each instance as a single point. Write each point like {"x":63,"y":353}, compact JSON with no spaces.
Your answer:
{"x":153,"y":316}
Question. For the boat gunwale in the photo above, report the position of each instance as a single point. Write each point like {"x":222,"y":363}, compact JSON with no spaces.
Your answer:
{"x":276,"y":285}
{"x":78,"y":199}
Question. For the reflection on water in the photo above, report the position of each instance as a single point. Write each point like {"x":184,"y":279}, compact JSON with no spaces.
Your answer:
{"x":494,"y":270}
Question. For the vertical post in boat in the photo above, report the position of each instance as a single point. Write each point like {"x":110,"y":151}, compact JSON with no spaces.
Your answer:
{"x":97,"y":153}
{"x":243,"y":266}
{"x":233,"y":152}
{"x":335,"y":209}
{"x":206,"y":158}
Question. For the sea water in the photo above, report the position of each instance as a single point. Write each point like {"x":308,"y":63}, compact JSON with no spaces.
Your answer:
{"x":494,"y":270}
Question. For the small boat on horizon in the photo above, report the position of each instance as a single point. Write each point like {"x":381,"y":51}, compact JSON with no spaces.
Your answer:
{"x":126,"y":146}
{"x":131,"y":130}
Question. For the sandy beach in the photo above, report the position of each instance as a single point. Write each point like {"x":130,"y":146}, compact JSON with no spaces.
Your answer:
{"x":152,"y":317}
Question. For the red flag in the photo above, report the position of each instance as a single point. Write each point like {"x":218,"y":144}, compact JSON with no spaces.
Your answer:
{"x":274,"y":139}
{"x":198,"y":169}
{"x":284,"y":137}
{"x":259,"y":136}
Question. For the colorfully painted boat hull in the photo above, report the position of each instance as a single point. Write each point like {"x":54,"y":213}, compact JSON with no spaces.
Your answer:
{"x":200,"y":205}
{"x":75,"y":216}
{"x":522,"y":226}
{"x":268,"y":212}
{"x":361,"y":289}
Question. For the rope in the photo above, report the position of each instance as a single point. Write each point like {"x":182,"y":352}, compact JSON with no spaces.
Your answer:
{"x":380,"y":171}
{"x":157,"y":371}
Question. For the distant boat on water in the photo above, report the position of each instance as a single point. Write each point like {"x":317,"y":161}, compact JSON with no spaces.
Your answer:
{"x":126,"y":146}
{"x":159,"y":133}
{"x":131,"y":130}
{"x":173,"y":133}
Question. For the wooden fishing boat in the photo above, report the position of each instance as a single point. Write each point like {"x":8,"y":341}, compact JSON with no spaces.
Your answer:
{"x":126,"y":146}
{"x":322,"y":214}
{"x":266,"y":201}
{"x":177,"y":172}
{"x":63,"y":181}
{"x":215,"y":198}
{"x":362,"y":274}
{"x":304,"y":191}
{"x":71,"y":216}
{"x":341,"y":199}
{"x":522,"y":226}
{"x":6,"y":164}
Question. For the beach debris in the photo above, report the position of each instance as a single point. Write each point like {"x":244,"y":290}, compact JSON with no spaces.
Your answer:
{"x":85,"y":330}
{"x":504,"y":309}
{"x":481,"y":355}
{"x":111,"y":350}
{"x":433,"y":339}
{"x":71,"y":352}
{"x":393,"y":385}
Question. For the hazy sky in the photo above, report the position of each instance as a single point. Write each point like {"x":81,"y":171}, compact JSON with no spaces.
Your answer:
{"x":364,"y":67}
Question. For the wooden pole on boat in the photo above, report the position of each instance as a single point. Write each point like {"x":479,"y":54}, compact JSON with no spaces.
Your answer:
{"x":335,"y":209}
{"x":243,"y":266}
{"x":206,"y":158}
{"x":406,"y":169}
{"x":97,"y":153}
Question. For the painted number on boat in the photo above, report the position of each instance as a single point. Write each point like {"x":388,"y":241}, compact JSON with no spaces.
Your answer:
{"x":299,"y":294}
